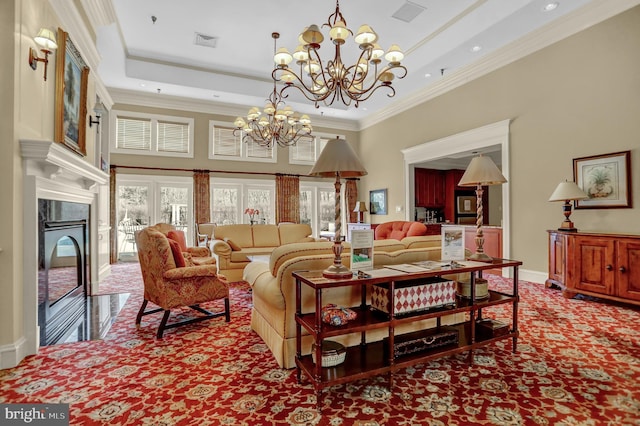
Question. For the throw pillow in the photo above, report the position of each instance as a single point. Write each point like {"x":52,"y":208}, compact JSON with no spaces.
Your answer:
{"x":177,"y":253}
{"x":233,"y":245}
{"x":179,"y":237}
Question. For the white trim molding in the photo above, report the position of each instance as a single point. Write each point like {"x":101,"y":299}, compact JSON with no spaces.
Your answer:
{"x":53,"y":172}
{"x":474,"y":139}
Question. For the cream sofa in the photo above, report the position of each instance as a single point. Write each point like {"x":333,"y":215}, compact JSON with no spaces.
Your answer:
{"x":274,"y":294}
{"x":232,"y":244}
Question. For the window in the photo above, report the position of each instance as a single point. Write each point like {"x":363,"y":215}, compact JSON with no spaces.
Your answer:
{"x":224,"y":145}
{"x":307,"y":150}
{"x":317,"y":207}
{"x":147,"y":134}
{"x":231,"y":197}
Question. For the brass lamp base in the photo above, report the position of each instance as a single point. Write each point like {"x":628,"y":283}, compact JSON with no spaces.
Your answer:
{"x":567,"y":226}
{"x":337,"y":270}
{"x":480,"y":257}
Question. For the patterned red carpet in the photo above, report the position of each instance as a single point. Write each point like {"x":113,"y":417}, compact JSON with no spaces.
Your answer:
{"x":578,"y":363}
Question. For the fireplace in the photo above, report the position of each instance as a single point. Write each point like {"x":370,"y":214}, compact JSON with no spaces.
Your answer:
{"x":70,"y":184}
{"x":63,"y":268}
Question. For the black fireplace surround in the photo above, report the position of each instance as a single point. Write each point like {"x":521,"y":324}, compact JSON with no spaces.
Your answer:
{"x":63,"y":268}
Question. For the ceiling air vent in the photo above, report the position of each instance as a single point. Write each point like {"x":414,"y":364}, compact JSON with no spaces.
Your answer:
{"x":205,"y":40}
{"x":408,"y":12}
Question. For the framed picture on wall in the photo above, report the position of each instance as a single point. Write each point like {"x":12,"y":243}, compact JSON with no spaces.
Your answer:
{"x":466,"y":204}
{"x":378,"y":201}
{"x":72,"y":76}
{"x":606,"y":179}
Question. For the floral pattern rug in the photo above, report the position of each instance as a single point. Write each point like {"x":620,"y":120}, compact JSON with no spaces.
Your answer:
{"x":577,"y":363}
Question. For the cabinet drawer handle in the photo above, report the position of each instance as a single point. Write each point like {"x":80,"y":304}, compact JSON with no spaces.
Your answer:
{"x":428,"y":340}
{"x":608,"y":267}
{"x":622,"y":269}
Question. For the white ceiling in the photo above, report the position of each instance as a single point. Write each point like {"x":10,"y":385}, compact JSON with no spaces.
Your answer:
{"x":140,"y":56}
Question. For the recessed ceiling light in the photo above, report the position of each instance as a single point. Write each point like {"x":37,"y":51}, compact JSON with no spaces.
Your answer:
{"x":476,"y":48}
{"x":550,"y":6}
{"x":427,"y":75}
{"x":142,"y":85}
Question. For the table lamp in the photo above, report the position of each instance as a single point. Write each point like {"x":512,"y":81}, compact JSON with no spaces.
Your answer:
{"x":340,"y":160}
{"x":567,"y":192}
{"x":481,"y":171}
{"x":360,"y":208}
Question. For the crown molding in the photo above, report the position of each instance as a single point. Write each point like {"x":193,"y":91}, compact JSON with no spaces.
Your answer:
{"x":100,"y":12}
{"x":73,"y":24}
{"x":566,"y":26}
{"x":152,"y":100}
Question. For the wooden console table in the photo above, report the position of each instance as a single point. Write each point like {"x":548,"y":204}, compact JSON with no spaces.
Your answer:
{"x":373,"y":358}
{"x":595,"y":264}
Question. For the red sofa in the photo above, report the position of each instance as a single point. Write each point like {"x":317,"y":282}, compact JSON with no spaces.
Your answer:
{"x":399,"y":229}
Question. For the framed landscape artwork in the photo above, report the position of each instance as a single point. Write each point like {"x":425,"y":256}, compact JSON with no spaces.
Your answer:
{"x":378,"y":201}
{"x":72,"y":75}
{"x":606,"y":179}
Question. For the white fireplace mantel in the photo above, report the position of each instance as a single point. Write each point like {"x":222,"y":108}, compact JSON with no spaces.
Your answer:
{"x":50,"y":171}
{"x":50,"y":160}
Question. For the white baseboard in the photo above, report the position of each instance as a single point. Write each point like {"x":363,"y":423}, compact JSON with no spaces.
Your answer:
{"x":13,"y":353}
{"x":532,"y":276}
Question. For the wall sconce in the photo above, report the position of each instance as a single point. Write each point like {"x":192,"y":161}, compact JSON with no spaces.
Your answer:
{"x":47,"y":39}
{"x":98,"y":109}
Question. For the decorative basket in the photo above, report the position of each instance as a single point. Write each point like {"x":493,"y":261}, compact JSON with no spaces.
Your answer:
{"x":482,"y":289}
{"x":333,"y":353}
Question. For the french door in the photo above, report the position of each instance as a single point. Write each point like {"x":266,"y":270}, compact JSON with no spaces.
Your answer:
{"x":318,"y":208}
{"x":146,"y":200}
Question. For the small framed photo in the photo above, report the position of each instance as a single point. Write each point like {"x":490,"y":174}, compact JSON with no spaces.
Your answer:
{"x":467,"y":204}
{"x":378,"y":201}
{"x":452,"y":243}
{"x":606,"y":179}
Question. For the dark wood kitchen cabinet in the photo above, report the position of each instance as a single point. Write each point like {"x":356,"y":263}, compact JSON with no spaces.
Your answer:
{"x":429,"y":188}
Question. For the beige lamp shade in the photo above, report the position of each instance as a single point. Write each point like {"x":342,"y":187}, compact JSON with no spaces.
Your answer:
{"x":338,"y":157}
{"x":361,"y":206}
{"x":338,"y":160}
{"x":47,"y":39}
{"x":482,"y":171}
{"x":568,"y":191}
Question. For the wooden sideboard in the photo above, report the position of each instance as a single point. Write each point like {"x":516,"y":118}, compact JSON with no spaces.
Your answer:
{"x":595,"y":264}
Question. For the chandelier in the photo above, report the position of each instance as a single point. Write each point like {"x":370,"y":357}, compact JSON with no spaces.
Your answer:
{"x":275,"y":124}
{"x":320,"y":82}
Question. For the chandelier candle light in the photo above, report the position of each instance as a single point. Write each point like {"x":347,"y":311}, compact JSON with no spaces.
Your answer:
{"x":326,"y":82}
{"x":275,"y":124}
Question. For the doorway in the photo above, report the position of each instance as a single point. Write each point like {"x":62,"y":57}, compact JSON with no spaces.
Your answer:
{"x":487,"y":138}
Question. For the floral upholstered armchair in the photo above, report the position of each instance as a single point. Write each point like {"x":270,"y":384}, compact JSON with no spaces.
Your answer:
{"x":198,"y":255}
{"x":169,"y":281}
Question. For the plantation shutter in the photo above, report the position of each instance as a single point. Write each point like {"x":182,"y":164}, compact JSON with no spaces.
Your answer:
{"x":173,"y":137}
{"x":225,"y":143}
{"x":304,"y":150}
{"x":133,"y":133}
{"x":258,"y":151}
